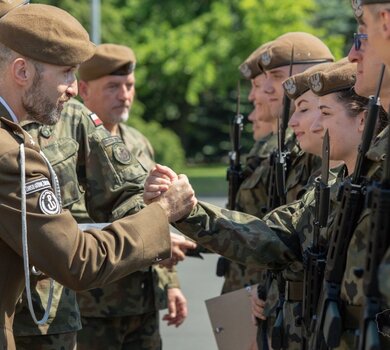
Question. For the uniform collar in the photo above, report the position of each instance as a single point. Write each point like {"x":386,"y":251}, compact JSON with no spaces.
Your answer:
{"x":6,"y":111}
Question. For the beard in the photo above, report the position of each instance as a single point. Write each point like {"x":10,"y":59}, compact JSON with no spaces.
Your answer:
{"x":39,"y":107}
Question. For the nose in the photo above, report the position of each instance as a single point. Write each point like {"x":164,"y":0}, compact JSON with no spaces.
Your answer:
{"x":316,"y":126}
{"x":293,"y":122}
{"x":72,"y":89}
{"x":353,"y":55}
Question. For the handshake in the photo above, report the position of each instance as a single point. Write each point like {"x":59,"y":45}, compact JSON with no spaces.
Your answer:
{"x":173,"y":192}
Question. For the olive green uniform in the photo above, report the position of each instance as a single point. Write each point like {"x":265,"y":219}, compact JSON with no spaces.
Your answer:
{"x":124,"y":314}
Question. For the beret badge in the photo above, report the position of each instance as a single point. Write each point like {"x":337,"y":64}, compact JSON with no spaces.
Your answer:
{"x":245,"y":70}
{"x":357,"y":7}
{"x":315,"y":82}
{"x":290,"y":86}
{"x":266,"y":58}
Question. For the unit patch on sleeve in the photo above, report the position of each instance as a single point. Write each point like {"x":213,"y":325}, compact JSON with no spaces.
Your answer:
{"x":37,"y":185}
{"x":48,"y":203}
{"x":95,"y":119}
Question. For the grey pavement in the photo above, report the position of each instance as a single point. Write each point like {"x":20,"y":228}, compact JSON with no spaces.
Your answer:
{"x":198,"y":282}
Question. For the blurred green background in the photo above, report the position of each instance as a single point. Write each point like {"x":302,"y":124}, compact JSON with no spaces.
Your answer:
{"x":188,"y":53}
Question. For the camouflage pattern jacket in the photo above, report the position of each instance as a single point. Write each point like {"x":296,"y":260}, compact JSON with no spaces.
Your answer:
{"x":92,"y":164}
{"x":142,"y":291}
{"x":352,"y":287}
{"x":277,"y":242}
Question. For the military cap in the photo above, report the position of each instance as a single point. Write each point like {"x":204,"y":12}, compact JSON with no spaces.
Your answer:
{"x":298,"y":84}
{"x":8,"y":5}
{"x":337,"y":77}
{"x":306,"y":49}
{"x":250,"y":68}
{"x":109,"y":59}
{"x":47,"y":34}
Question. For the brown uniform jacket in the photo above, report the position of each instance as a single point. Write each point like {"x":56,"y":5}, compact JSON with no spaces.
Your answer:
{"x":56,"y":245}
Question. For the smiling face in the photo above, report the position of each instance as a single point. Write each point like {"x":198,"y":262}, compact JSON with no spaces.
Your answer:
{"x":345,"y":130}
{"x":306,"y":110}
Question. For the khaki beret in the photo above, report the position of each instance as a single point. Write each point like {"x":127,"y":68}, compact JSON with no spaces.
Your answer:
{"x":298,"y":84}
{"x":47,"y":34}
{"x":250,"y":68}
{"x":307,"y":49}
{"x":337,"y":77}
{"x":8,"y":5}
{"x":109,"y":59}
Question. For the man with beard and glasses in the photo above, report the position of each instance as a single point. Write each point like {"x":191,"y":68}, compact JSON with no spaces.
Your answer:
{"x":30,"y":194}
{"x":124,"y":313}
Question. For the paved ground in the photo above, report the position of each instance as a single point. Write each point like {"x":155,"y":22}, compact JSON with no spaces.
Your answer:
{"x":198,"y":282}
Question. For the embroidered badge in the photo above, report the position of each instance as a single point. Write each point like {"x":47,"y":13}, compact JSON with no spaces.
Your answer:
{"x":95,"y":119}
{"x":37,"y":185}
{"x":290,"y":86}
{"x":121,"y":153}
{"x":108,"y":141}
{"x":245,"y":70}
{"x":48,"y":203}
{"x":266,"y":58}
{"x":315,"y":82}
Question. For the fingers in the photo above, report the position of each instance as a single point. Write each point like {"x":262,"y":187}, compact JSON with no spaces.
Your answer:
{"x":166,"y":171}
{"x":258,"y":308}
{"x":177,"y":308}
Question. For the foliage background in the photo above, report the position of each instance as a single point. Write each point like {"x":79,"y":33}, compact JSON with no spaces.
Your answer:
{"x":187,"y":58}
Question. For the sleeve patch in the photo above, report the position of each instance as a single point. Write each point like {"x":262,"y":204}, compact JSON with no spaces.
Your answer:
{"x":108,"y":141}
{"x":48,"y":203}
{"x":37,"y":185}
{"x":95,"y":119}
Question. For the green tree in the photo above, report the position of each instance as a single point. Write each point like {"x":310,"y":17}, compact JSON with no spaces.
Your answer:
{"x":188,"y":53}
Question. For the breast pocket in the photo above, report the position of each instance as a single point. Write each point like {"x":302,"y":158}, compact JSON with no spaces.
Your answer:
{"x":62,"y":155}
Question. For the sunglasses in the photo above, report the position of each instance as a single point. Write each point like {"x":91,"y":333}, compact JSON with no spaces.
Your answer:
{"x":357,"y":40}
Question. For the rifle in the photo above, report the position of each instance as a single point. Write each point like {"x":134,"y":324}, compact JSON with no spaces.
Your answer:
{"x":378,"y":201}
{"x":235,"y":170}
{"x":314,"y":255}
{"x":276,"y":198}
{"x":277,"y":189}
{"x":327,"y":321}
{"x":234,"y":173}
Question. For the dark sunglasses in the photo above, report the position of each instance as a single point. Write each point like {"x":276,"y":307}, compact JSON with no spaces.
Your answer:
{"x":357,"y":40}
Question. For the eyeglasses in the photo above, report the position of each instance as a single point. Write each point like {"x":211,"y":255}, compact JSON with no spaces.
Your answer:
{"x":357,"y":40}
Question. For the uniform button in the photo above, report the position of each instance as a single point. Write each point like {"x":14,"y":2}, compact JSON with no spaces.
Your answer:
{"x":46,"y":132}
{"x":157,"y":259}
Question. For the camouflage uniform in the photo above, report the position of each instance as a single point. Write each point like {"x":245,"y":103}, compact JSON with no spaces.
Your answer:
{"x":277,"y":242}
{"x":91,"y":164}
{"x":352,"y":295}
{"x":125,"y":314}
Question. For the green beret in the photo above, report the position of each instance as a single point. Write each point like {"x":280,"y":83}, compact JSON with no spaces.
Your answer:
{"x":109,"y":59}
{"x":8,"y":5}
{"x":47,"y":34}
{"x":250,"y":68}
{"x":337,"y":77}
{"x":307,"y":49}
{"x":298,"y":84}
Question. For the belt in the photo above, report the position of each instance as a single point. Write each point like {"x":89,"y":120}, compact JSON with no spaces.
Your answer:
{"x":294,"y":291}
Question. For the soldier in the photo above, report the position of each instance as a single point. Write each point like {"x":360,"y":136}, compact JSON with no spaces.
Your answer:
{"x":374,"y":17}
{"x":37,"y":79}
{"x":125,"y":313}
{"x":279,"y":239}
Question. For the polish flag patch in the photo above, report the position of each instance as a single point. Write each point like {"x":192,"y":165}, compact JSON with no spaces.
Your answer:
{"x":95,"y":119}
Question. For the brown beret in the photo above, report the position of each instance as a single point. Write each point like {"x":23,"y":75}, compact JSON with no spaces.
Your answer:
{"x":47,"y":34}
{"x":298,"y":84}
{"x":307,"y":49}
{"x":250,"y":68}
{"x":8,"y":5}
{"x":338,"y":76}
{"x":109,"y":59}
